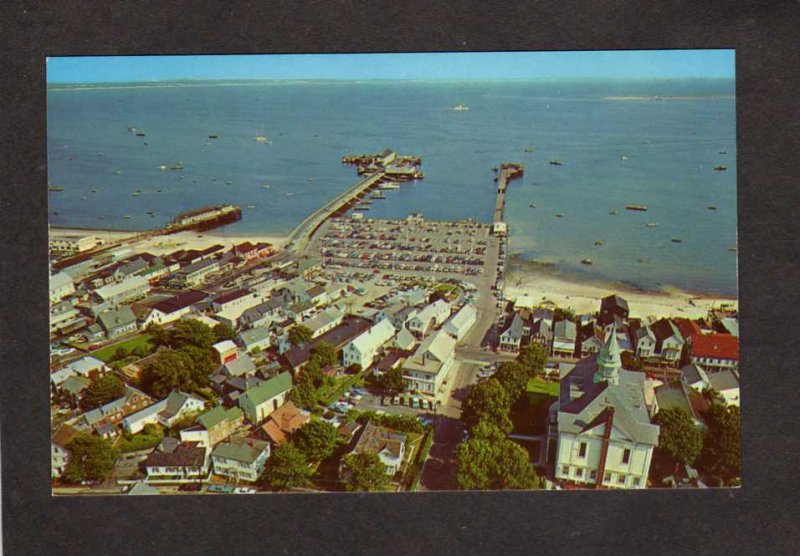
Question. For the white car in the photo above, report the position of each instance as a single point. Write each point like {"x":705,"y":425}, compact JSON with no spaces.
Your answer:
{"x":244,"y":490}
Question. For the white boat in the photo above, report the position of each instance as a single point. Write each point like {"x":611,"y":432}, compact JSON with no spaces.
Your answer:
{"x":261,"y":139}
{"x":459,"y":108}
{"x":390,"y":185}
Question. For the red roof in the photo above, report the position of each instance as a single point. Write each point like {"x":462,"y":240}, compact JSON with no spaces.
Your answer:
{"x":688,"y":327}
{"x":718,"y":346}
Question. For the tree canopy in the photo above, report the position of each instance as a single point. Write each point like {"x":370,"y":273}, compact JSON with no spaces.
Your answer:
{"x":722,"y":449}
{"x":513,"y":377}
{"x":367,"y":473}
{"x":184,"y":369}
{"x":316,"y":439}
{"x":324,"y":353}
{"x":304,"y":393}
{"x":679,"y":438}
{"x":489,"y":463}
{"x":103,"y":390}
{"x":191,"y":332}
{"x":287,"y":468}
{"x":299,"y":334}
{"x":392,"y":380}
{"x":223,"y":331}
{"x":488,"y":400}
{"x":533,"y":358}
{"x":92,"y":458}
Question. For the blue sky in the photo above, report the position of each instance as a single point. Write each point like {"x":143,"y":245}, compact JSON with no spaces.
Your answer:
{"x":449,"y":66}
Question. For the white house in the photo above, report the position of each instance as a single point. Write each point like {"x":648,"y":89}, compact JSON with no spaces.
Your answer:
{"x":725,"y":383}
{"x":59,"y":452}
{"x":599,"y":426}
{"x":644,"y":342}
{"x":364,"y":348}
{"x":241,"y":459}
{"x":326,"y":320}
{"x":404,"y":340}
{"x":60,"y":286}
{"x":257,"y":337}
{"x":426,"y":370}
{"x":669,"y":341}
{"x":432,"y":315}
{"x":387,"y":444}
{"x":511,"y":337}
{"x":126,"y":290}
{"x":177,"y":462}
{"x":174,"y":308}
{"x":564,"y":338}
{"x":166,"y":412}
{"x":462,"y":322}
{"x":258,"y":402}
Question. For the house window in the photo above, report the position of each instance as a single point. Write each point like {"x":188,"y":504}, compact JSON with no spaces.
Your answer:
{"x":579,"y":472}
{"x":626,"y":456}
{"x":593,"y":474}
{"x":621,"y":479}
{"x":582,"y":450}
{"x":636,"y":481}
{"x":607,"y":477}
{"x":565,"y":470}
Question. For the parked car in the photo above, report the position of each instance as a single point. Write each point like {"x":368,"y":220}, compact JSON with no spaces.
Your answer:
{"x":244,"y":490}
{"x":395,"y":400}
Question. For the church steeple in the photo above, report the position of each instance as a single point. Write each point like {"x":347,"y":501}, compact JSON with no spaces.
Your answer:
{"x":608,"y":360}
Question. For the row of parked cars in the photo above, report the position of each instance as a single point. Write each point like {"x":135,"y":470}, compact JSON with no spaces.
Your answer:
{"x":348,"y":400}
{"x":415,"y":402}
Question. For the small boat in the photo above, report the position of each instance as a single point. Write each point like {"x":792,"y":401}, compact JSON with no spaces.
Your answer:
{"x":723,"y":152}
{"x":261,"y":139}
{"x":135,"y":194}
{"x":251,"y":206}
{"x":529,"y":149}
{"x":532,"y":205}
{"x":599,"y":242}
{"x":127,"y":216}
{"x":177,"y":166}
{"x":158,"y":191}
{"x":309,"y":179}
{"x":458,"y":108}
{"x":586,"y":261}
{"x":613,"y":213}
{"x":140,"y":134}
{"x":390,"y":185}
{"x":732,"y":249}
{"x":55,"y":213}
{"x":117,"y":172}
{"x":559,"y":215}
{"x":651,"y":224}
{"x":712,"y":207}
{"x":378,"y":195}
{"x":556,"y":163}
{"x":213,"y":179}
{"x":720,"y":168}
{"x":636,"y":207}
{"x":182,"y":177}
{"x":84,"y":197}
{"x":99,"y":154}
{"x":55,"y":188}
{"x":289,"y":193}
{"x":213,"y":136}
{"x":162,"y":167}
{"x":639,"y":260}
{"x":228,"y":182}
{"x":94,"y":190}
{"x":623,"y":157}
{"x":676,"y":240}
{"x":265,"y":186}
{"x":145,"y":143}
{"x":131,"y":128}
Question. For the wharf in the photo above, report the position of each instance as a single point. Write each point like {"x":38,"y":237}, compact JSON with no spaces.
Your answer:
{"x":508,"y":171}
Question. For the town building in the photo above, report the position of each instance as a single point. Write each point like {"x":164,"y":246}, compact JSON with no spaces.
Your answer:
{"x":125,"y":291}
{"x":241,"y":459}
{"x":613,"y":310}
{"x":282,"y":423}
{"x":432,"y":315}
{"x":338,"y":337}
{"x":166,"y":412}
{"x":176,"y":462}
{"x":257,"y":403}
{"x":172,"y":309}
{"x":426,"y":370}
{"x":462,"y":322}
{"x":565,"y":336}
{"x":389,"y":446}
{"x":61,"y":285}
{"x":255,"y":338}
{"x":599,"y":427}
{"x":72,"y":244}
{"x":324,"y":321}
{"x":59,"y":448}
{"x":214,"y":426}
{"x":194,"y":274}
{"x":116,"y":322}
{"x":715,"y":352}
{"x":363,"y":350}
{"x":669,"y":341}
{"x":511,"y":338}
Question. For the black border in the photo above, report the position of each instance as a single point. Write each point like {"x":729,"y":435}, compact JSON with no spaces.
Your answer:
{"x":756,"y":518}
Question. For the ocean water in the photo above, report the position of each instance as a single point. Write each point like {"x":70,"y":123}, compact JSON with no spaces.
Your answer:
{"x":670,"y":149}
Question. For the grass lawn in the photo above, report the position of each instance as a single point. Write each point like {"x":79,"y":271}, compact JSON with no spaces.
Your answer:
{"x":105,"y":354}
{"x":139,"y":441}
{"x":328,"y":395}
{"x":530,"y":413}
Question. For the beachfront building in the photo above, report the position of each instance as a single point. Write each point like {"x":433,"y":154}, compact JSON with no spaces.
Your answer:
{"x":194,"y":274}
{"x":715,"y":352}
{"x":241,"y":459}
{"x":565,"y":335}
{"x":61,"y":286}
{"x":258,"y":402}
{"x":72,"y":244}
{"x":124,"y":291}
{"x":426,"y":370}
{"x":643,"y":341}
{"x":462,"y":322}
{"x":613,"y":310}
{"x":511,"y":338}
{"x":669,"y":341}
{"x":724,"y":383}
{"x":364,"y":349}
{"x":599,"y":428}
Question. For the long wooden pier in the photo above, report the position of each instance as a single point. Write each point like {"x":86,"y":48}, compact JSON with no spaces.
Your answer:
{"x":508,"y":171}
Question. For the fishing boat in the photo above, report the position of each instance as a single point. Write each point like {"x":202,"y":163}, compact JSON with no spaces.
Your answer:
{"x":309,"y":179}
{"x":213,"y":136}
{"x":458,"y":108}
{"x":559,"y":215}
{"x":251,"y":206}
{"x":140,"y":134}
{"x":390,"y":185}
{"x":177,"y":166}
{"x":651,"y":224}
{"x":261,"y":139}
{"x":84,"y":197}
{"x":131,"y":128}
{"x":723,"y":152}
{"x":289,"y":193}
{"x":55,"y":188}
{"x":720,"y":168}
{"x":586,"y":261}
{"x":117,"y":172}
{"x":135,"y":194}
{"x":265,"y":186}
{"x":556,"y":163}
{"x":676,"y":240}
{"x":127,"y":216}
{"x":378,"y":195}
{"x":162,"y":167}
{"x":99,"y":154}
{"x":599,"y":242}
{"x":623,"y":157}
{"x":529,"y":149}
{"x":732,"y":249}
{"x":228,"y":182}
{"x":94,"y":190}
{"x":636,"y":207}
{"x":712,"y":207}
{"x":532,"y":205}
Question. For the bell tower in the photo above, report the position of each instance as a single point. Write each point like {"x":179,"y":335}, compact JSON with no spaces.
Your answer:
{"x":608,"y":360}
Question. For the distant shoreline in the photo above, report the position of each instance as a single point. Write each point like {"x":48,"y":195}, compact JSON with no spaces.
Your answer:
{"x":694,"y":97}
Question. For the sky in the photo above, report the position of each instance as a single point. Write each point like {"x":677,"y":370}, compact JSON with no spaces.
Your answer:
{"x":423,"y":66}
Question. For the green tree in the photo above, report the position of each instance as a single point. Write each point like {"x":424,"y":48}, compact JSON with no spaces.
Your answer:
{"x":300,"y":334}
{"x":184,"y":369}
{"x":563,"y":314}
{"x":202,"y":363}
{"x":303,"y":392}
{"x":487,"y":431}
{"x":402,"y":423}
{"x":367,"y":473}
{"x":325,"y":353}
{"x":679,"y":438}
{"x":316,"y":439}
{"x":159,"y":333}
{"x":120,"y":353}
{"x":722,"y":450}
{"x":103,"y":390}
{"x":223,"y":331}
{"x":491,"y":464}
{"x":140,"y":352}
{"x":191,"y":332}
{"x":488,"y":400}
{"x":514,"y":378}
{"x":92,"y":458}
{"x":392,"y":380}
{"x":287,"y":468}
{"x":533,"y":358}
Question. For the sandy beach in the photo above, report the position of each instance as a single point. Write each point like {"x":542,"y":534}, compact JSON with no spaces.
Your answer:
{"x":584,"y":297}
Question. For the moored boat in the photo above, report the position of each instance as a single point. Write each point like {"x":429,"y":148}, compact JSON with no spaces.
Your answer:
{"x":586,"y":261}
{"x":636,"y":207}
